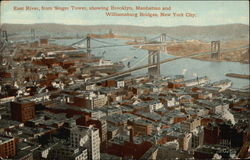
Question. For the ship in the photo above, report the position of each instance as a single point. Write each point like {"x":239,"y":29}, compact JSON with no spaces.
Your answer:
{"x":223,"y":84}
{"x":106,"y":66}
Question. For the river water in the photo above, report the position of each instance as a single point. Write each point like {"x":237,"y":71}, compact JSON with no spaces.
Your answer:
{"x":191,"y":68}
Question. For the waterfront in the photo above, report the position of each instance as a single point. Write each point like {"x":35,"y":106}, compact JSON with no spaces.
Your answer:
{"x":189,"y":67}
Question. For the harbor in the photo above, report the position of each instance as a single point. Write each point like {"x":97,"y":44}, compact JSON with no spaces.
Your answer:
{"x":213,"y":69}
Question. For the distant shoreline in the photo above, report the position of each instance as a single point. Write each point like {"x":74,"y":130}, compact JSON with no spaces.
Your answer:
{"x":202,"y":57}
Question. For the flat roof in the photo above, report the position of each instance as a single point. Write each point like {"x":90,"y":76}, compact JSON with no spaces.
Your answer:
{"x":5,"y":139}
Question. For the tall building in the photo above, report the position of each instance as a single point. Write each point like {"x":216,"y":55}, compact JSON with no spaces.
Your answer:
{"x":22,"y":111}
{"x":7,"y":147}
{"x":198,"y":137}
{"x":88,"y":137}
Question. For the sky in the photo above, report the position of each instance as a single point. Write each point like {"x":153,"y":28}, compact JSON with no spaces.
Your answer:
{"x":206,"y":13}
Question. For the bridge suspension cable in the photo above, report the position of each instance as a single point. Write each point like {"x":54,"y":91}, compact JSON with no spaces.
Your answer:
{"x":82,"y":40}
{"x":125,"y":45}
{"x":172,"y":38}
{"x":97,"y":40}
{"x":141,"y":60}
{"x":154,"y":38}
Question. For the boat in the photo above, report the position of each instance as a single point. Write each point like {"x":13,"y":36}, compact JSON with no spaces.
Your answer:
{"x":223,"y":84}
{"x":235,"y":75}
{"x":107,"y":66}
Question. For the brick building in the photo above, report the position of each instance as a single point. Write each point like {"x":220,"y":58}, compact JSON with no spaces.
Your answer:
{"x":141,"y":127}
{"x":44,"y":41}
{"x":7,"y":147}
{"x":22,"y":111}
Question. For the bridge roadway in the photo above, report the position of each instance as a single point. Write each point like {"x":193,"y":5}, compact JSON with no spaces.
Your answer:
{"x":161,"y":62}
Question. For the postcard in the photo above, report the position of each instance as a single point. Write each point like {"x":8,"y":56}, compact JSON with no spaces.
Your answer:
{"x":124,"y":79}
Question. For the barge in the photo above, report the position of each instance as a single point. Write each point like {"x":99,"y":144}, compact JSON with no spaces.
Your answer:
{"x":235,"y":75}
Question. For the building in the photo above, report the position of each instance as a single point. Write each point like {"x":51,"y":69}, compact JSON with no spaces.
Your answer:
{"x":44,"y":41}
{"x":64,"y":152}
{"x":43,"y":152}
{"x":7,"y":147}
{"x":208,"y":152}
{"x":215,"y":107}
{"x":97,"y":101}
{"x":211,"y":134}
{"x":125,"y":147}
{"x":169,"y":101}
{"x":191,"y":124}
{"x":87,"y":137}
{"x":186,"y":143}
{"x":90,"y":100}
{"x":112,"y":131}
{"x":22,"y":111}
{"x":184,"y":139}
{"x":141,"y":127}
{"x":198,"y":137}
{"x":120,"y":84}
{"x":25,"y":150}
{"x":155,"y":105}
{"x":175,"y":84}
{"x":110,"y":110}
{"x":109,"y":83}
{"x":150,"y":154}
{"x":89,"y":87}
{"x":101,"y":125}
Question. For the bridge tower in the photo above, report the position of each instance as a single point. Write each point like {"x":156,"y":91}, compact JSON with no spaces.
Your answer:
{"x":163,"y":40}
{"x":88,"y":45}
{"x":215,"y":49}
{"x":154,"y":59}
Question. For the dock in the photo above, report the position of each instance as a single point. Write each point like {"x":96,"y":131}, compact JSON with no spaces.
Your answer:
{"x":243,"y":76}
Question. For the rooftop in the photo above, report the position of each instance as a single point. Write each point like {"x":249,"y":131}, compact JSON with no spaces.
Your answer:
{"x":5,"y":139}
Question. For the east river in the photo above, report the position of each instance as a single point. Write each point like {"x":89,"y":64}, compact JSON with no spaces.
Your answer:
{"x":191,"y":68}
